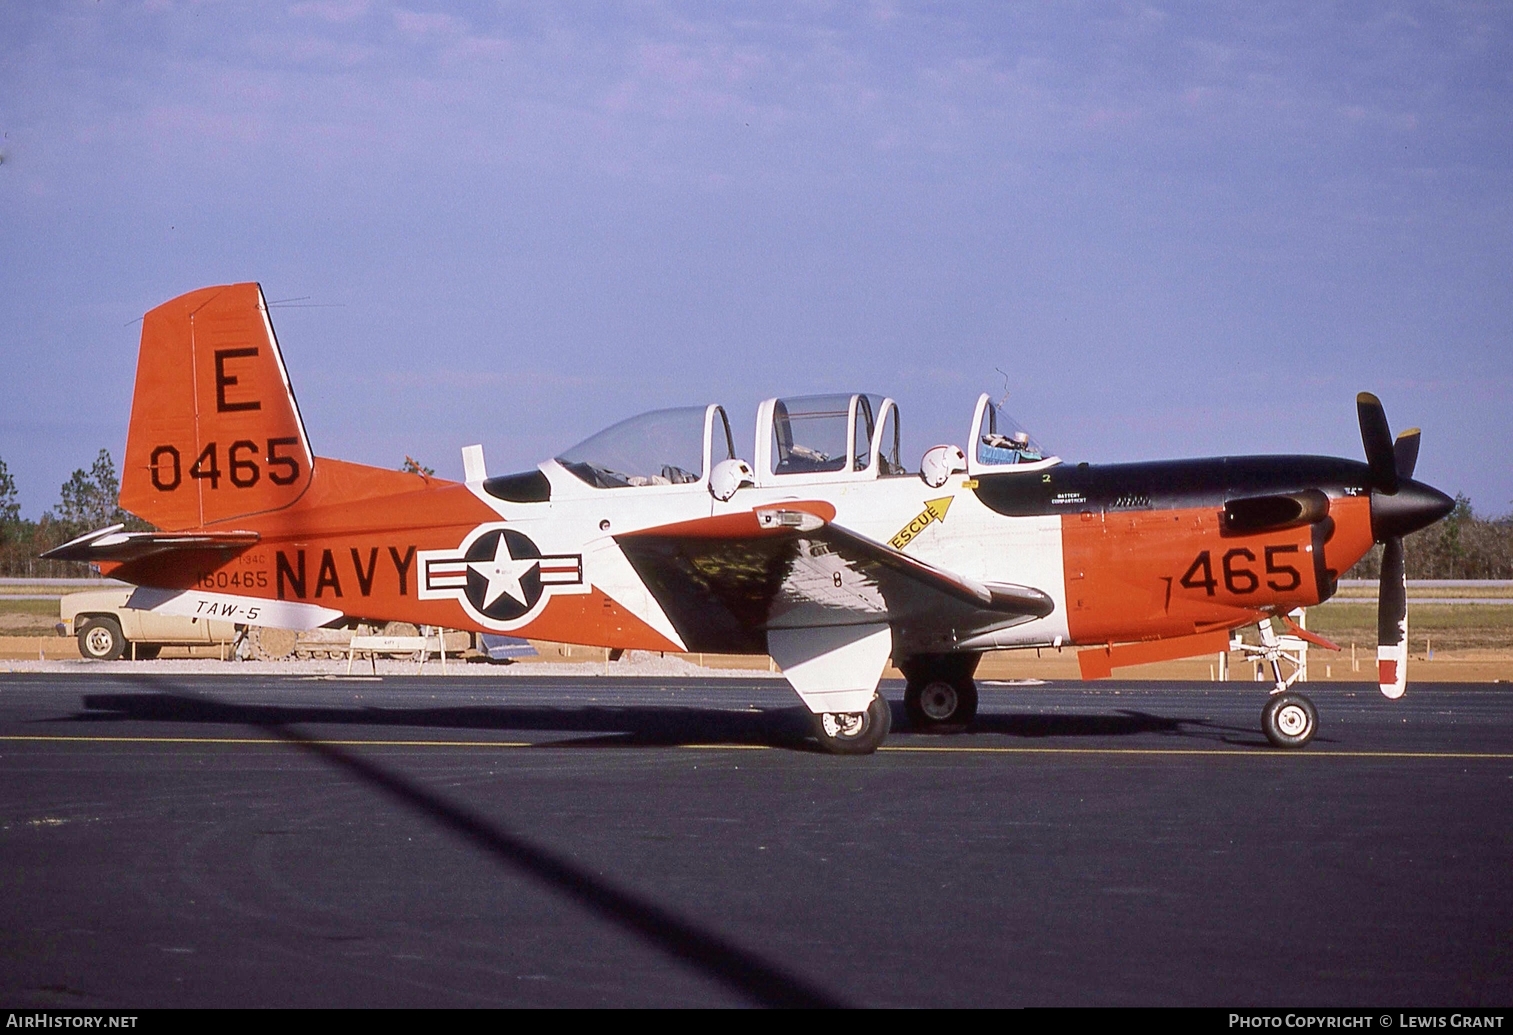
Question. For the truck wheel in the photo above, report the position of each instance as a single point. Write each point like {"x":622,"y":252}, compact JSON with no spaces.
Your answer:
{"x":101,"y":639}
{"x":269,"y":644}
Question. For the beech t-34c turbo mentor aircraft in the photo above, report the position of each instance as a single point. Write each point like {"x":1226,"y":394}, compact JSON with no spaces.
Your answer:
{"x":822,"y":552}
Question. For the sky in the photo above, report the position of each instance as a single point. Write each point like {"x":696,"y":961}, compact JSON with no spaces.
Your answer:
{"x":1162,"y":230}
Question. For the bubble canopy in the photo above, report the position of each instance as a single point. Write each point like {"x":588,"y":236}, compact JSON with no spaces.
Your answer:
{"x":663,"y":447}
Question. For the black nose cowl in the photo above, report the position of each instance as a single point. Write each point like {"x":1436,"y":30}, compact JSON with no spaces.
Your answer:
{"x":1414,"y":506}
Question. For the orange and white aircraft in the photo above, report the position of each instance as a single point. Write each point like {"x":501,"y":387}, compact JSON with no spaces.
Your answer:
{"x":823,"y":551}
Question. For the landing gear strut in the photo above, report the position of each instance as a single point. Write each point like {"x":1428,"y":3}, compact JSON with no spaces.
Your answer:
{"x":854,"y":733}
{"x":1289,"y":719}
{"x":940,"y":697}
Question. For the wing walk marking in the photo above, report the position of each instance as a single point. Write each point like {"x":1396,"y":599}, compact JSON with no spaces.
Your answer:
{"x":1466,"y":755}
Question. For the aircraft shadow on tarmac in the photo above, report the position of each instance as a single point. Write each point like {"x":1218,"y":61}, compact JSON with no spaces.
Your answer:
{"x":634,"y":725}
{"x":700,"y":946}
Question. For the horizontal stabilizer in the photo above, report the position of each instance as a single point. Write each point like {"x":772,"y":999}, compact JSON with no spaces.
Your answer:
{"x":114,"y":544}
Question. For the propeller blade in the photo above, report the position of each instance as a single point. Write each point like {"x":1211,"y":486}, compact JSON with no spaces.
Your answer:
{"x":1392,"y":622}
{"x":1405,"y":451}
{"x":1376,"y":436}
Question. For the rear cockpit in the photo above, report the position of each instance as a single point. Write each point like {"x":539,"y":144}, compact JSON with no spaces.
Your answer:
{"x":664,"y":447}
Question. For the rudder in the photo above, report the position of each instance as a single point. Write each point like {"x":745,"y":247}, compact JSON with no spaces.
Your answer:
{"x":215,"y":432}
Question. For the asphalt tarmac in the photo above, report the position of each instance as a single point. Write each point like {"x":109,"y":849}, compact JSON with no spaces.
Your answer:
{"x":240,"y":841}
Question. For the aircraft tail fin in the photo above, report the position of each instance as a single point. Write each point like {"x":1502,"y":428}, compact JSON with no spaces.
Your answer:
{"x":215,"y":433}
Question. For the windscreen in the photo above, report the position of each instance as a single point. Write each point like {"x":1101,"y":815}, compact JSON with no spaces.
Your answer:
{"x":664,"y":447}
{"x":1004,"y":441}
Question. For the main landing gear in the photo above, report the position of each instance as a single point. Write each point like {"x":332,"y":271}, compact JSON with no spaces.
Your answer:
{"x":854,"y":733}
{"x":940,"y":696}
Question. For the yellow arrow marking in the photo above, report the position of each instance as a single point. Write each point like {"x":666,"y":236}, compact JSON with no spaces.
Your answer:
{"x":935,"y":510}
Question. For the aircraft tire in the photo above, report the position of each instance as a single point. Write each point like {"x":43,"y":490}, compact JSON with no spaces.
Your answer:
{"x":854,"y":733}
{"x":940,"y":705}
{"x":1289,"y":720}
{"x":101,"y":639}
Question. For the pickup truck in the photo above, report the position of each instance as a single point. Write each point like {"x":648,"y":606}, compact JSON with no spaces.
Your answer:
{"x":107,"y":629}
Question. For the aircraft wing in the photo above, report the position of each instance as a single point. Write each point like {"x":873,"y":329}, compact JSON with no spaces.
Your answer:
{"x":729,"y":580}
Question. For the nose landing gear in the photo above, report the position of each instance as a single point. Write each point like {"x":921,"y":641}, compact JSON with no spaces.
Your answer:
{"x":1289,"y":719}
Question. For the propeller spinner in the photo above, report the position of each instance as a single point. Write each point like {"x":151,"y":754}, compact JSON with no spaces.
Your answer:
{"x":1399,"y":505}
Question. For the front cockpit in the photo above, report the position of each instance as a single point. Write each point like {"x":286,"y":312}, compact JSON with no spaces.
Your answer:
{"x":1000,"y":443}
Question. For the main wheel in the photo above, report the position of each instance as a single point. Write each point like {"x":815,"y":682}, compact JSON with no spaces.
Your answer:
{"x":101,"y":639}
{"x":854,"y":733}
{"x":1289,"y":720}
{"x":940,"y":705}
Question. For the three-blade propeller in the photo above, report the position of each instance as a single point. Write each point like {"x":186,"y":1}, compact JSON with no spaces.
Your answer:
{"x":1391,"y":462}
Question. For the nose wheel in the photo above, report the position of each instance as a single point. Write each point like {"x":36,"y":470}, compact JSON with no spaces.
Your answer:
{"x":1289,"y":720}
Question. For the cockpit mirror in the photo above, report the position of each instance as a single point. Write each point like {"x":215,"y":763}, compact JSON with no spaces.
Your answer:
{"x":728,"y":476}
{"x":940,"y":462}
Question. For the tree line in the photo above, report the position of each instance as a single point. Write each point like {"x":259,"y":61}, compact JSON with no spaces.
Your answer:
{"x":1462,"y":546}
{"x":87,"y":501}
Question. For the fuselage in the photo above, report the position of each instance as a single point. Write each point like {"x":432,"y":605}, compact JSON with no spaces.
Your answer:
{"x":1126,"y":552}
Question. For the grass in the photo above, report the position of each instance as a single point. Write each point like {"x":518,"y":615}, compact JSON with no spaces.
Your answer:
{"x":1450,"y":627}
{"x":29,"y":607}
{"x":28,"y":617}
